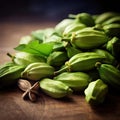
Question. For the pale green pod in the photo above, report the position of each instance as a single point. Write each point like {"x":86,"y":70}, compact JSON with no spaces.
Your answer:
{"x":113,"y":46}
{"x":112,"y":20}
{"x":96,"y":92}
{"x":57,"y":58}
{"x":9,"y":74}
{"x":81,"y":62}
{"x":24,"y":58}
{"x":109,"y":74}
{"x":71,"y":51}
{"x":84,"y":61}
{"x":55,"y":89}
{"x":60,"y":27}
{"x":112,"y":30}
{"x":84,"y":18}
{"x":42,"y":34}
{"x":110,"y":45}
{"x":78,"y":81}
{"x":101,"y":18}
{"x":38,"y":35}
{"x":38,"y":70}
{"x":95,"y":16}
{"x":73,"y":28}
{"x":26,"y":39}
{"x":53,"y":38}
{"x":89,"y":38}
{"x":58,"y":44}
{"x":109,"y":58}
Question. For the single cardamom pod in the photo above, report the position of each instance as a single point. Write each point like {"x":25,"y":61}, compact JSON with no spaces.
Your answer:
{"x":9,"y":74}
{"x":37,"y":70}
{"x":55,"y":89}
{"x":96,"y":92}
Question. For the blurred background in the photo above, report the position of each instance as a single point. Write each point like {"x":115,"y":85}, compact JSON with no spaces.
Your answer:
{"x":54,"y":10}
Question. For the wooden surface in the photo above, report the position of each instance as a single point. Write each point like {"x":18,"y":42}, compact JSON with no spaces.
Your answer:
{"x":13,"y":107}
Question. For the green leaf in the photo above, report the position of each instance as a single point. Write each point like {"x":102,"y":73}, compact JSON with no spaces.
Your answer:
{"x":20,"y":47}
{"x":34,"y":47}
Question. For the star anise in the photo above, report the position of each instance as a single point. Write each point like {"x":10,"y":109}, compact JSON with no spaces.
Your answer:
{"x":30,"y":91}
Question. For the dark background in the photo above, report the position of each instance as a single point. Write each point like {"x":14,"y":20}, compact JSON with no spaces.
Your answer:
{"x":54,"y":9}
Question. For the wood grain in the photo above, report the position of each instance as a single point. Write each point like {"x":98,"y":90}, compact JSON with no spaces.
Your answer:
{"x":13,"y":107}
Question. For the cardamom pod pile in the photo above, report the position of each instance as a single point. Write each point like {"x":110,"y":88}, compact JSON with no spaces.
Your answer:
{"x":81,"y":53}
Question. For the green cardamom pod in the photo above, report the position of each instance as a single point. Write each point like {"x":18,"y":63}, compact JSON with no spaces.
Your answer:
{"x":73,"y":28}
{"x":113,"y":46}
{"x":109,"y":74}
{"x":112,"y":29}
{"x":57,"y":58}
{"x":55,"y":89}
{"x":24,"y":58}
{"x":42,"y":34}
{"x":81,"y":62}
{"x":84,"y":18}
{"x":101,"y":18}
{"x":112,"y":20}
{"x":9,"y":74}
{"x":71,"y":51}
{"x":109,"y":58}
{"x":38,"y":70}
{"x":78,"y":81}
{"x":60,"y":27}
{"x":89,"y":38}
{"x":26,"y":39}
{"x":96,"y":92}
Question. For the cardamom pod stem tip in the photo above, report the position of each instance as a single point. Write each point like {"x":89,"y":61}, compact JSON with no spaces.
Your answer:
{"x":61,"y":70}
{"x":98,"y":64}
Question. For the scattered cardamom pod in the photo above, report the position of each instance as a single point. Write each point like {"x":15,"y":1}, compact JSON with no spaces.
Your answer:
{"x":9,"y":74}
{"x":37,"y":70}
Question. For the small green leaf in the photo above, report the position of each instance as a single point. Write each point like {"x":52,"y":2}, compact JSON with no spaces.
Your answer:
{"x":34,"y":47}
{"x":20,"y":47}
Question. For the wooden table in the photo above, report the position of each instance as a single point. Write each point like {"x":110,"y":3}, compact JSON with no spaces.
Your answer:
{"x":13,"y":107}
